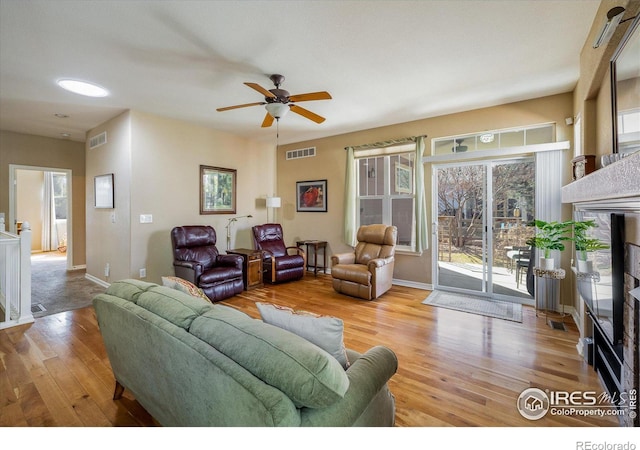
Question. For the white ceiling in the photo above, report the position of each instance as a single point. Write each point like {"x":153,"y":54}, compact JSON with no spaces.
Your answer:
{"x":384,"y":62}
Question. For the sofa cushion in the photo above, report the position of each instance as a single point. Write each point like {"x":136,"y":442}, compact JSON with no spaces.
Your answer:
{"x":175,"y":306}
{"x":324,"y":331}
{"x":308,"y":375}
{"x":184,"y":286}
{"x":129,"y":289}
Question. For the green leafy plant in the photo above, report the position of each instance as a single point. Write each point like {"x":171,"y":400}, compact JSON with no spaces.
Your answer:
{"x":584,"y":243}
{"x":550,"y":236}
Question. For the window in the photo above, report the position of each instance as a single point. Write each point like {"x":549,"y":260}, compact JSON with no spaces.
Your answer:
{"x":490,"y":140}
{"x":60,"y":195}
{"x":386,"y":194}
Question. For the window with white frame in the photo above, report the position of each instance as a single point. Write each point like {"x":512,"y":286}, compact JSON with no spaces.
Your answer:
{"x":386,"y":194}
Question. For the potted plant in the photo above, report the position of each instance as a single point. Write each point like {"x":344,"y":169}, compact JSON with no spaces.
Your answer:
{"x":585,"y":244}
{"x":550,"y":236}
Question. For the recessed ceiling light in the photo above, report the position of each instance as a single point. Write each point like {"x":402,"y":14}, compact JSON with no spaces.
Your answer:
{"x":65,"y":135}
{"x":83,"y":88}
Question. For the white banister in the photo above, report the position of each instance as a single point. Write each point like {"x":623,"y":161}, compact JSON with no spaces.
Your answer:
{"x":15,"y":277}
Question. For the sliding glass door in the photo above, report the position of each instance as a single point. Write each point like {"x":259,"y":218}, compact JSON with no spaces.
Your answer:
{"x":483,"y":210}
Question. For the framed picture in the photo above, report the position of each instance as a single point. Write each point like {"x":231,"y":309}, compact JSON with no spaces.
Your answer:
{"x":103,"y":191}
{"x":217,"y":190}
{"x":404,"y":182}
{"x":311,"y":196}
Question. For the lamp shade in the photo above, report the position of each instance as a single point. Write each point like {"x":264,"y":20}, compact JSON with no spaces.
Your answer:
{"x":277,"y":110}
{"x":273,"y":202}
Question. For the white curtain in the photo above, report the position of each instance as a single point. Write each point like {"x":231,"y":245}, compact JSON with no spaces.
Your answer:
{"x":49,"y":230}
{"x":350,"y":203}
{"x":549,"y":170}
{"x":422,"y":242}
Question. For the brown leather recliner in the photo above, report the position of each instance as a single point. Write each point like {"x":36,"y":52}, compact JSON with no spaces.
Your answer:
{"x":279,"y":262}
{"x":367,"y":272}
{"x":196,"y":259}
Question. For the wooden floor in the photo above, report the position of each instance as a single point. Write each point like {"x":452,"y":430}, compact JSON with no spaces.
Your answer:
{"x":455,"y":369}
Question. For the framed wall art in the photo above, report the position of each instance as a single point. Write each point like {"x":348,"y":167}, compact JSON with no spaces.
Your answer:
{"x":217,"y":190}
{"x":311,"y":196}
{"x":103,"y":191}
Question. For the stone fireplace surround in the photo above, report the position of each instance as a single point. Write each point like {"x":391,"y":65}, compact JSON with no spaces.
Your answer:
{"x":617,"y":187}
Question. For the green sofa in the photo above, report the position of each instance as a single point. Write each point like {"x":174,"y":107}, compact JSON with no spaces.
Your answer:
{"x":192,"y":363}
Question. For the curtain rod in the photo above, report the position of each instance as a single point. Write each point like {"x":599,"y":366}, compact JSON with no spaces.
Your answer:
{"x":383,"y":144}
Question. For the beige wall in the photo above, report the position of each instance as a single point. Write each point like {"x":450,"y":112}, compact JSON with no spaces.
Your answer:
{"x":592,"y":95}
{"x":156,"y":163}
{"x":37,"y":151}
{"x":29,"y":203}
{"x":330,"y":164}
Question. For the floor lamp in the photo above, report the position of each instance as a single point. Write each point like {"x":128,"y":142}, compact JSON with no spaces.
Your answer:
{"x":229,"y":223}
{"x":272,"y":202}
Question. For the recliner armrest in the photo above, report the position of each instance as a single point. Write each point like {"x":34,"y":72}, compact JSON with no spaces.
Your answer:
{"x":188,"y":270}
{"x":343,"y":258}
{"x":230,"y":261}
{"x":379,"y":262}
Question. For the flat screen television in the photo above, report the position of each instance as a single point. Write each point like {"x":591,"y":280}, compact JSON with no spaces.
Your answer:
{"x":602,"y":288}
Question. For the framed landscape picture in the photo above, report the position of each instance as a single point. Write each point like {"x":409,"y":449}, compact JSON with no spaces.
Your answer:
{"x":217,"y":190}
{"x":311,"y":196}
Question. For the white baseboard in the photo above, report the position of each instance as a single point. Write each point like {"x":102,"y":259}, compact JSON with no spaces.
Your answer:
{"x":96,"y":280}
{"x":413,"y":284}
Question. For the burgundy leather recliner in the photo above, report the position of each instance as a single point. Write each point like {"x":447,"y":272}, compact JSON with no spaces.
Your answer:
{"x":279,"y":262}
{"x":196,"y":259}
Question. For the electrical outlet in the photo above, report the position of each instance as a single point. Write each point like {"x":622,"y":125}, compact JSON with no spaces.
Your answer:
{"x":143,"y":273}
{"x":107,"y":269}
{"x":146,"y":218}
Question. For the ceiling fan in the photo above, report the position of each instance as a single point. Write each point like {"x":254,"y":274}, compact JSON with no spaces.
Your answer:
{"x":278,"y":102}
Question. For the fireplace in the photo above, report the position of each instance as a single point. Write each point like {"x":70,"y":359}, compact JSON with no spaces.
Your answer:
{"x":615,"y":188}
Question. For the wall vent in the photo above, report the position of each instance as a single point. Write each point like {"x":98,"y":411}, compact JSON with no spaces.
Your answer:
{"x":98,"y":140}
{"x":301,"y":153}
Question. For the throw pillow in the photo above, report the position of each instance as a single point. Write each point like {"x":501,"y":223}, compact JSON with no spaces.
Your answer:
{"x":324,"y":331}
{"x":185,"y":286}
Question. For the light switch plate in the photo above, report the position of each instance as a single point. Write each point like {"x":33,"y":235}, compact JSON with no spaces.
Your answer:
{"x":146,"y":218}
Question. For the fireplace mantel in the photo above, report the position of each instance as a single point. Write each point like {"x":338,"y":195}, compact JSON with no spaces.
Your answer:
{"x":618,"y":181}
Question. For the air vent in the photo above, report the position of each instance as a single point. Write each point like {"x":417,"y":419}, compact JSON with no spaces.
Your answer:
{"x":98,"y":140}
{"x":301,"y":153}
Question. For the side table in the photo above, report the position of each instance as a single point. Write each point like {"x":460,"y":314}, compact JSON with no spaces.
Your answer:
{"x":316,"y":245}
{"x":251,"y":267}
{"x":548,"y":298}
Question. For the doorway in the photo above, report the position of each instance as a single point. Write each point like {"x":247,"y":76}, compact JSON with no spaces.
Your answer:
{"x":43,"y":197}
{"x":483,"y":212}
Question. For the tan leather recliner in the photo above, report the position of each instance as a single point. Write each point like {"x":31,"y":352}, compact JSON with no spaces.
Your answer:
{"x":367,"y":272}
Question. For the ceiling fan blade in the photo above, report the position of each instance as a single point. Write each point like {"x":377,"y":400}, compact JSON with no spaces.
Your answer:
{"x":268,"y":121}
{"x":310,"y":96}
{"x":306,"y":113}
{"x":260,"y":89}
{"x":227,"y":108}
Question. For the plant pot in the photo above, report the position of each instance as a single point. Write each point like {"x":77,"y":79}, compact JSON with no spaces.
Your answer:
{"x":585,"y":266}
{"x":547,"y":263}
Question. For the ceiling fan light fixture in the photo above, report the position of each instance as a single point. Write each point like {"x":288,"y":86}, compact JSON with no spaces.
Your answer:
{"x":277,"y":110}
